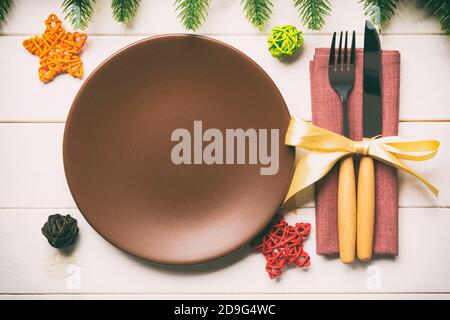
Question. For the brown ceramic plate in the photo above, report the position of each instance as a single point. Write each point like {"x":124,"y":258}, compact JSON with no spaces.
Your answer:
{"x":117,"y":149}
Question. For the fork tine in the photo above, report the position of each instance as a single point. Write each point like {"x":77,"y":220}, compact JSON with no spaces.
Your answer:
{"x":332,"y":49}
{"x":353,"y":49}
{"x":345,"y":49}
{"x":340,"y":52}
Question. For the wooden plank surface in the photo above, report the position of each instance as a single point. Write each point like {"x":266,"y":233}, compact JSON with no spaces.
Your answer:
{"x":33,"y":184}
{"x":424,"y":68}
{"x":232,"y":296}
{"x":32,"y":172}
{"x":30,"y":265}
{"x":224,"y":17}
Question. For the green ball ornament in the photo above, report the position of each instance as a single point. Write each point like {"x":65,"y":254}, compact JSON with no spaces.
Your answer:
{"x":284,"y":41}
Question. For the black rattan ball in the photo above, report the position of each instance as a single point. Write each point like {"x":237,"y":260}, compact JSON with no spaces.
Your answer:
{"x":60,"y":231}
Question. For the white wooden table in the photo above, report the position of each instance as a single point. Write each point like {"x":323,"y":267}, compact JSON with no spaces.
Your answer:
{"x":33,"y":186}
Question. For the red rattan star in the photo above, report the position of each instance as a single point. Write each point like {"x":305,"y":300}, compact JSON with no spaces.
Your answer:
{"x":283,"y":245}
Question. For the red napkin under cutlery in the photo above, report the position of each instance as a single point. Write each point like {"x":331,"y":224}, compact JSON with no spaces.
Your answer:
{"x":327,"y":113}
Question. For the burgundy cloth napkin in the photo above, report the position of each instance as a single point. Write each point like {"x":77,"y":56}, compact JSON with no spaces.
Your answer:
{"x":327,"y":113}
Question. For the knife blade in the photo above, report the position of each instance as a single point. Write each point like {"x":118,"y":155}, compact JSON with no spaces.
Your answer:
{"x":372,"y":103}
{"x":372,"y":126}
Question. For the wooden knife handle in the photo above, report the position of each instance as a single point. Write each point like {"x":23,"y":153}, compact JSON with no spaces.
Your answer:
{"x":347,"y":211}
{"x":365,"y":209}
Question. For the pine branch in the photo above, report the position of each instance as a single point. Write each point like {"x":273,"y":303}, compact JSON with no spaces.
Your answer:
{"x":192,"y":12}
{"x":125,"y":10}
{"x":4,"y":7}
{"x":258,"y":12}
{"x":313,"y":12}
{"x":441,"y":9}
{"x":78,"y":12}
{"x":379,"y":11}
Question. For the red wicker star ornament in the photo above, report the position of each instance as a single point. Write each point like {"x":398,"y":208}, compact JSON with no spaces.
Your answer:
{"x":282,"y":245}
{"x":59,"y":50}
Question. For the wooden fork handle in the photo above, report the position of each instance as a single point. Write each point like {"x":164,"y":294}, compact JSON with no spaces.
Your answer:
{"x":347,"y":211}
{"x":365,"y":209}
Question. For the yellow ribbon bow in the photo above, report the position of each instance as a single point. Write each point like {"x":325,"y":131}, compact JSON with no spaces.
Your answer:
{"x":328,"y":147}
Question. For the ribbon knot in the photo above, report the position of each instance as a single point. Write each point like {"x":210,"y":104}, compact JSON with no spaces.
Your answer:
{"x":328,"y":147}
{"x":362,"y":147}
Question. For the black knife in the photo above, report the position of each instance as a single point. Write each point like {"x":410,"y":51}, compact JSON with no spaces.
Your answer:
{"x":372,"y":126}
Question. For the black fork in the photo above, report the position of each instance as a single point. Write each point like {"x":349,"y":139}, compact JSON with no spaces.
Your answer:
{"x":341,"y":74}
